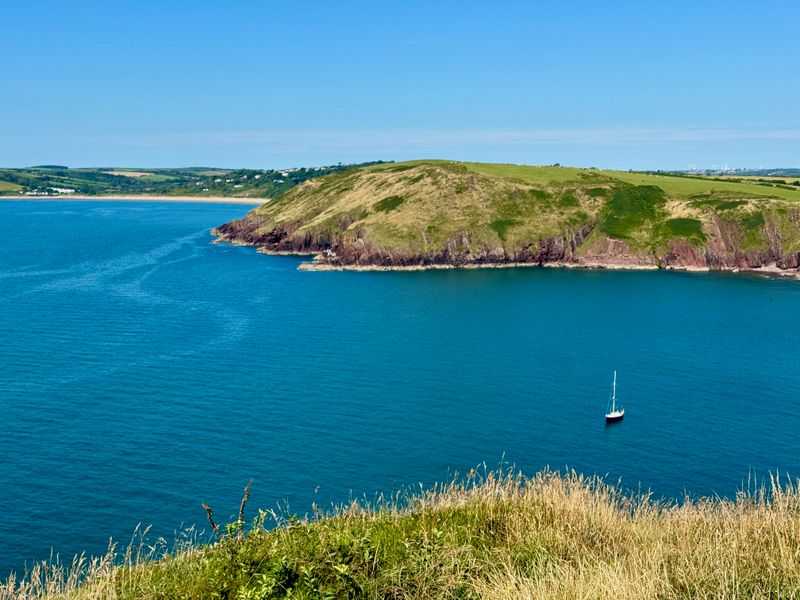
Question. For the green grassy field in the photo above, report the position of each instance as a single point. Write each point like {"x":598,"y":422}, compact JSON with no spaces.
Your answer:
{"x":671,"y":184}
{"x":498,"y":536}
{"x":7,"y":186}
{"x":686,"y":186}
{"x":530,"y":174}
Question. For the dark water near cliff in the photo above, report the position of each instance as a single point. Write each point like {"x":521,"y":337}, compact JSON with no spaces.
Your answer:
{"x":143,"y":370}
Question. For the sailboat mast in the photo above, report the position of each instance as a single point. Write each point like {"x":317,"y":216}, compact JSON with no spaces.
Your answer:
{"x":614,"y":393}
{"x":614,"y":414}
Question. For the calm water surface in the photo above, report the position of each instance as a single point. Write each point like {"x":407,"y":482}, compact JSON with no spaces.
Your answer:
{"x":144,"y":370}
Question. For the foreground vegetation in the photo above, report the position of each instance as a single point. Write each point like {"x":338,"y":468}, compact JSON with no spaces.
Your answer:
{"x":427,"y":213}
{"x":500,"y":536}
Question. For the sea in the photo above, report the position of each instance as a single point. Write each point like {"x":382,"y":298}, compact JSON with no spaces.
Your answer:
{"x":145,"y":370}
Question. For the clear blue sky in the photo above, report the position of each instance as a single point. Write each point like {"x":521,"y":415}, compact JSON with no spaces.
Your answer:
{"x":269,"y":84}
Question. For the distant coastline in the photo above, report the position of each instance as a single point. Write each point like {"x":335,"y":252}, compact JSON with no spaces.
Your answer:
{"x":768,"y":271}
{"x":153,"y":198}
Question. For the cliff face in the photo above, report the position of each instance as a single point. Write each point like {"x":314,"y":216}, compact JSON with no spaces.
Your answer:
{"x":460,"y":249}
{"x":429,"y":213}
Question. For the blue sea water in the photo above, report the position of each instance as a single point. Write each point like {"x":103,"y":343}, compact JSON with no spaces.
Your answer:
{"x":144,"y":370}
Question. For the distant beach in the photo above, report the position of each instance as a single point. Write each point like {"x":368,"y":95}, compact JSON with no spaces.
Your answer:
{"x":134,"y":198}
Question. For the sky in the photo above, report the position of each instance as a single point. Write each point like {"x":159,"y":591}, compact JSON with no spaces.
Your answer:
{"x":626,"y":85}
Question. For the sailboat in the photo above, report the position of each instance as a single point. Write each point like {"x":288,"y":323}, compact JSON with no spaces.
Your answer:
{"x":615,"y":414}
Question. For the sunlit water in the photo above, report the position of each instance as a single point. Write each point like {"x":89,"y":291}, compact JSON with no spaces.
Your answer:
{"x":144,"y":370}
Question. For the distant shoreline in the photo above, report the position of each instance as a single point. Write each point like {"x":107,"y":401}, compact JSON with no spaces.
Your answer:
{"x":766,"y":271}
{"x":136,"y":198}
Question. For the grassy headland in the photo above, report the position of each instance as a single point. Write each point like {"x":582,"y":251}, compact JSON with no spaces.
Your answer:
{"x":501,"y":536}
{"x":443,"y":213}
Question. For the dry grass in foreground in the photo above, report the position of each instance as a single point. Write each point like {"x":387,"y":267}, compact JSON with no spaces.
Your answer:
{"x":498,"y":536}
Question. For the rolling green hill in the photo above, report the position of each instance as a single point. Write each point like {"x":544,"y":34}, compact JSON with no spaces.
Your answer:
{"x":440,"y":213}
{"x":55,"y":180}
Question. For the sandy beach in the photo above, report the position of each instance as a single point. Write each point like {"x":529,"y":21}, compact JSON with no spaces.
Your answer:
{"x":133,"y":198}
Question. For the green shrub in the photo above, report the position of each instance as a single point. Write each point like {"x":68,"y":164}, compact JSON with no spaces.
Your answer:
{"x":690,"y":229}
{"x":389,"y":203}
{"x":629,"y":208}
{"x":501,"y":225}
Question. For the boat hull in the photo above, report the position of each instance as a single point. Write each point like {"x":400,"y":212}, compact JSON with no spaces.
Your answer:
{"x":615,"y":417}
